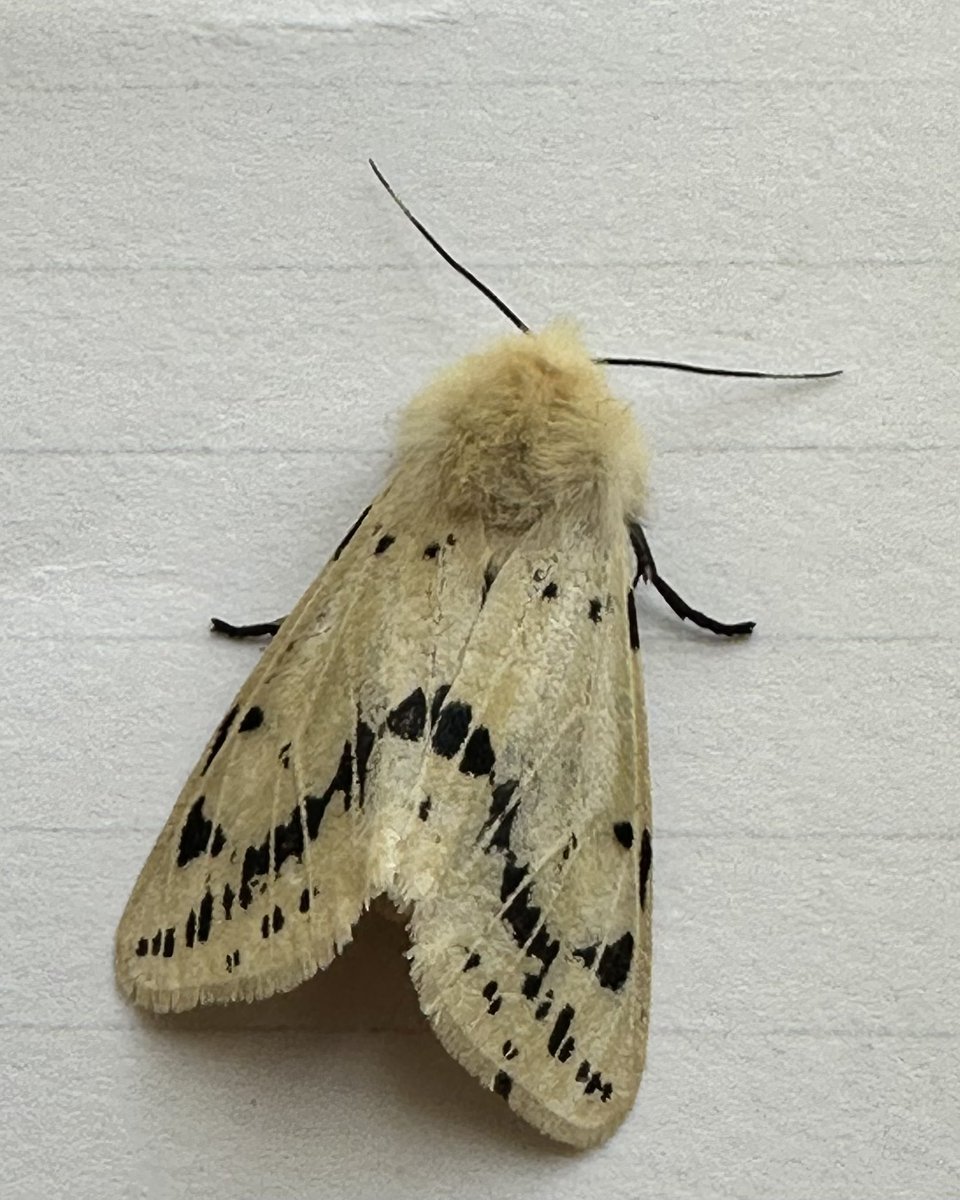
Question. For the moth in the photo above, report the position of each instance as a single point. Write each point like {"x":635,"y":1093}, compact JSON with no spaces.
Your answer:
{"x":452,"y":717}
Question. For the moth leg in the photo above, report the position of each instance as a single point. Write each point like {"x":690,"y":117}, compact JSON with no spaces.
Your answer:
{"x":647,"y":571}
{"x":262,"y":629}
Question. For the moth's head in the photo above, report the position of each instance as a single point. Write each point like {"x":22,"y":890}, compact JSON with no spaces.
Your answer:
{"x":526,"y":426}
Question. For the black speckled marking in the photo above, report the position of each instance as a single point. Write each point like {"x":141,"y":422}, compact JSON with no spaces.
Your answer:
{"x":596,"y":610}
{"x":437,"y":702}
{"x":288,"y":840}
{"x":385,"y":543}
{"x":342,"y":782}
{"x":194,"y":834}
{"x":205,"y":917}
{"x":623,"y":832}
{"x":615,"y":962}
{"x":169,"y":939}
{"x":432,"y":550}
{"x":646,"y":862}
{"x":365,"y":739}
{"x":228,"y":898}
{"x":550,"y":591}
{"x":348,"y":536}
{"x":502,"y":1084}
{"x":489,"y":575}
{"x":409,"y":719}
{"x":586,"y":954}
{"x":498,"y":819}
{"x":596,"y":1084}
{"x":561,"y":1027}
{"x":256,"y":863}
{"x":478,"y":758}
{"x":252,"y":719}
{"x":305,"y":900}
{"x":143,"y":946}
{"x":423,"y":812}
{"x":220,"y":737}
{"x":473,"y":960}
{"x":632,"y":618}
{"x":451,"y":729}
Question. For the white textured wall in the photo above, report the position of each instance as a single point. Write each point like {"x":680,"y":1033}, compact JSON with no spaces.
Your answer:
{"x":209,"y":315}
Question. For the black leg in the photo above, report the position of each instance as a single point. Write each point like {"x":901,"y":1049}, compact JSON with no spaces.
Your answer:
{"x":647,"y":571}
{"x":263,"y":629}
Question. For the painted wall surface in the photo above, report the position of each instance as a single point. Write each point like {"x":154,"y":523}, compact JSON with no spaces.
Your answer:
{"x":209,"y":316}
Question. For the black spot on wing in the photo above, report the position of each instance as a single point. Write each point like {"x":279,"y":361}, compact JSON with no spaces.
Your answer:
{"x":478,"y":758}
{"x":489,"y":989}
{"x":550,"y":591}
{"x":596,"y":610}
{"x":191,"y":928}
{"x":498,"y":819}
{"x":561,"y":1027}
{"x":169,"y":940}
{"x":194,"y":834}
{"x":228,"y":898}
{"x":288,"y":841}
{"x":566,"y":1049}
{"x":277,"y":921}
{"x":252,"y":719}
{"x":451,"y":540}
{"x":220,"y":737}
{"x":646,"y":862}
{"x":502,"y":1084}
{"x":615,"y":962}
{"x":623,"y":832}
{"x":305,"y":900}
{"x":489,"y":575}
{"x":155,"y":943}
{"x":632,"y":618}
{"x":473,"y":960}
{"x":432,"y":550}
{"x":143,"y":947}
{"x":451,"y":728}
{"x":509,"y":1050}
{"x":342,"y":782}
{"x":205,"y":917}
{"x":384,"y":544}
{"x":437,"y":702}
{"x":408,"y":720}
{"x":365,"y":738}
{"x":219,"y":841}
{"x":348,"y":536}
{"x":586,"y":954}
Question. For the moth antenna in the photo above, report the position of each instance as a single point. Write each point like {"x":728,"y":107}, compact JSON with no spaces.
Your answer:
{"x":693,"y":369}
{"x":448,"y":258}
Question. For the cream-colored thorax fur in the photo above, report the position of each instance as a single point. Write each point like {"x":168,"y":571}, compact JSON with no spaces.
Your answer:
{"x":523,"y":429}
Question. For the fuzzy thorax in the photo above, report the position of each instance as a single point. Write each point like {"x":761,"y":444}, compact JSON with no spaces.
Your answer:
{"x":520,"y":430}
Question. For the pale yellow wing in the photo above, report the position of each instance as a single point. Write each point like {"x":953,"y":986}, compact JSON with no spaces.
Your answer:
{"x":530,"y":875}
{"x":286,"y":827}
